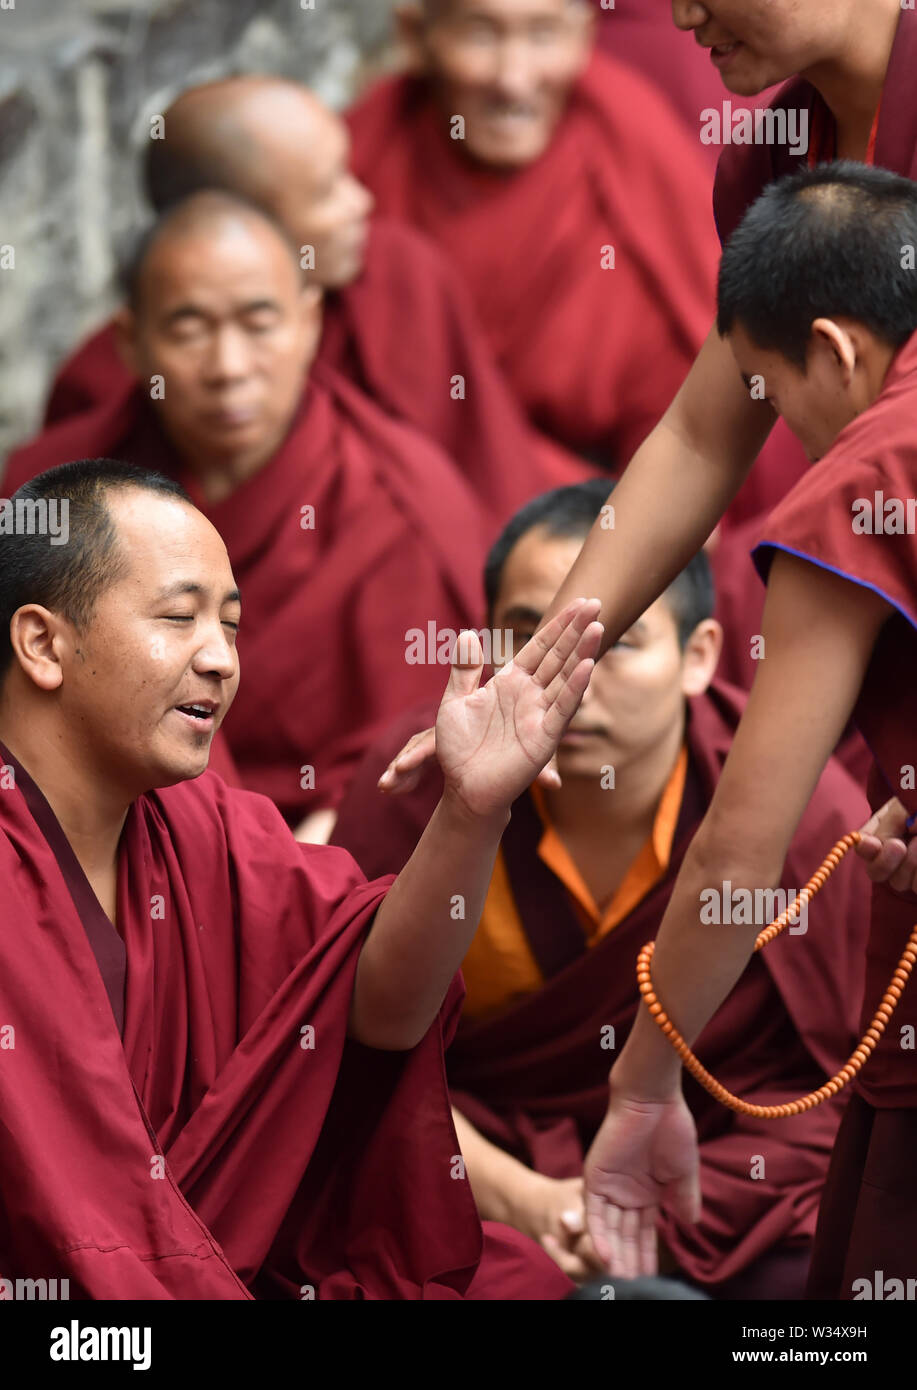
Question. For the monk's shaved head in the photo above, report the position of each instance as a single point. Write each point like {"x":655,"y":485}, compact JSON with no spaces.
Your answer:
{"x":202,"y":214}
{"x":272,"y":142}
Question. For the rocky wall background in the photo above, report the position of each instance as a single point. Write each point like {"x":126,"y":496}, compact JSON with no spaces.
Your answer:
{"x":79,"y":81}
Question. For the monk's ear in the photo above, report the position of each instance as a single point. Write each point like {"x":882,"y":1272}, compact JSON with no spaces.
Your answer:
{"x":700,"y":657}
{"x":34,"y":633}
{"x":125,"y":326}
{"x":829,"y":336}
{"x":310,"y":308}
{"x":410,"y":24}
{"x":588,"y":19}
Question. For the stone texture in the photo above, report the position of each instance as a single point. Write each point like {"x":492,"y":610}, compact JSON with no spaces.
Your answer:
{"x":79,"y":83}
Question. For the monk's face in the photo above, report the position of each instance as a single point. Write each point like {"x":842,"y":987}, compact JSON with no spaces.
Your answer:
{"x":312,"y":193}
{"x":507,"y":68}
{"x":160,"y":640}
{"x":634,"y":705}
{"x":756,"y":43}
{"x":845,"y":369}
{"x":224,"y":327}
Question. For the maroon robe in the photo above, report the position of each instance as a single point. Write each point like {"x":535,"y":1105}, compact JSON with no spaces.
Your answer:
{"x":169,"y":1129}
{"x":870,"y":1220}
{"x":398,"y":543}
{"x":401,"y":332}
{"x":534,"y":1078}
{"x":745,"y":170}
{"x":594,"y":354}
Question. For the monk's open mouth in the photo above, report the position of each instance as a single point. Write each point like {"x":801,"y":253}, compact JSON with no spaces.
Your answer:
{"x":201,"y":716}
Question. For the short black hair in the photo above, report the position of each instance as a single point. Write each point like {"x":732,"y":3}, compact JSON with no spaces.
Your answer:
{"x":571,"y":512}
{"x":70,"y":578}
{"x":825,"y":243}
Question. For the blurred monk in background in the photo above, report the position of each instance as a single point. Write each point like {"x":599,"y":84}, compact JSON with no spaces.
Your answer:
{"x":396,"y":320}
{"x":345,"y":527}
{"x":567,"y":192}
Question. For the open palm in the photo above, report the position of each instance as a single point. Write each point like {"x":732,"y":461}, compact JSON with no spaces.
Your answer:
{"x":493,"y":740}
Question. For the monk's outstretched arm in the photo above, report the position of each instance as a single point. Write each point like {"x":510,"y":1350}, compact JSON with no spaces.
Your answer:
{"x":819,"y":633}
{"x":672,"y":493}
{"x":491,"y":743}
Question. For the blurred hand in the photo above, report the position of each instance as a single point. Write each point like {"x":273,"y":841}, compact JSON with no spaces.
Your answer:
{"x":889,"y":849}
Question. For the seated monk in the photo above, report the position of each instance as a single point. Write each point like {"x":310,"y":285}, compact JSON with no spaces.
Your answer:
{"x":580,"y":885}
{"x":396,"y":320}
{"x":565,"y":189}
{"x":222,"y":1070}
{"x":345,"y":527}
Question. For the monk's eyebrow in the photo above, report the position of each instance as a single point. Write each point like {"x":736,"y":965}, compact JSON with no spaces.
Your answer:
{"x":187,"y":586}
{"x":521,"y":613}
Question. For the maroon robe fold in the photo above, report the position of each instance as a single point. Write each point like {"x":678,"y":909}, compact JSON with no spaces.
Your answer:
{"x":401,"y":333}
{"x":595,"y":355}
{"x":219,"y":1150}
{"x":745,"y":170}
{"x":740,"y":608}
{"x":868,"y":1221}
{"x":534,"y":1077}
{"x":398,"y":543}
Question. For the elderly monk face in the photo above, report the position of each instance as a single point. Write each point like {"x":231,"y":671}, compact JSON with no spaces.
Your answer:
{"x":757,"y":43}
{"x":506,"y":66}
{"x":222,"y":317}
{"x":149,"y":680}
{"x":635,"y":698}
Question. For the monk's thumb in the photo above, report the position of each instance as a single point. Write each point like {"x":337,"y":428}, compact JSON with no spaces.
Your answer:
{"x":467,"y":664}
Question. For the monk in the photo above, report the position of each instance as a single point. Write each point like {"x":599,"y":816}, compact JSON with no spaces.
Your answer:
{"x":852,"y":61}
{"x":222,"y":1050}
{"x":347,"y":529}
{"x":817,"y":297}
{"x":396,"y":321}
{"x":565,"y":189}
{"x":581,"y":882}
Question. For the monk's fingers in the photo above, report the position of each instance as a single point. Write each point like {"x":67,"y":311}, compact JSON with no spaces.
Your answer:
{"x":648,"y":1241}
{"x":886,"y":860}
{"x":630,"y":1242}
{"x":573,"y":1265}
{"x":889,"y":822}
{"x":404,"y":769}
{"x":586,"y":649}
{"x":545,"y":653}
{"x":904,"y":879}
{"x":567,"y":701}
{"x":597,"y":1225}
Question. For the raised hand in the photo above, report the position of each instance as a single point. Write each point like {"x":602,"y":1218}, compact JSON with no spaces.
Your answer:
{"x":493,"y":740}
{"x":644,"y":1157}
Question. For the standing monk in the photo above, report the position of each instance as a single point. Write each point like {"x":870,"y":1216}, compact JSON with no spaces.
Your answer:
{"x":396,"y":320}
{"x":818,"y":297}
{"x":222,"y":1063}
{"x":346,"y":528}
{"x":854,"y":60}
{"x":567,"y":192}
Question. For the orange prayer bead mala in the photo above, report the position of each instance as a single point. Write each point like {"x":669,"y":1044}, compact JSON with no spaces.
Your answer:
{"x":861,"y":1053}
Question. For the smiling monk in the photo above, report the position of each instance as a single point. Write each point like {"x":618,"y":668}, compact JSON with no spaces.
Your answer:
{"x":565,"y":189}
{"x":222,"y":1066}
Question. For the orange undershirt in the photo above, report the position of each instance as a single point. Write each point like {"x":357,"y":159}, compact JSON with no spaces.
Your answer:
{"x":500,"y":965}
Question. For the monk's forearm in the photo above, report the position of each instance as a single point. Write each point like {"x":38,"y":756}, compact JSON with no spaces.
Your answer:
{"x":672,"y":493}
{"x":424,"y":927}
{"x":497,"y":1179}
{"x":695,"y":965}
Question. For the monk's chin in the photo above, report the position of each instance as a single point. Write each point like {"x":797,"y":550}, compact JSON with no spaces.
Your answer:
{"x":182,"y":767}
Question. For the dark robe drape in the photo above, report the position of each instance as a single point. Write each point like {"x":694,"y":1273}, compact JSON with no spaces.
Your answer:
{"x":406,"y":335}
{"x":219,"y":1149}
{"x":398,"y":542}
{"x":534,"y":1077}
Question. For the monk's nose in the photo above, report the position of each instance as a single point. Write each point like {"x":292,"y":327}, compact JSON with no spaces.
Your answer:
{"x":515,"y":70}
{"x":689,"y":14}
